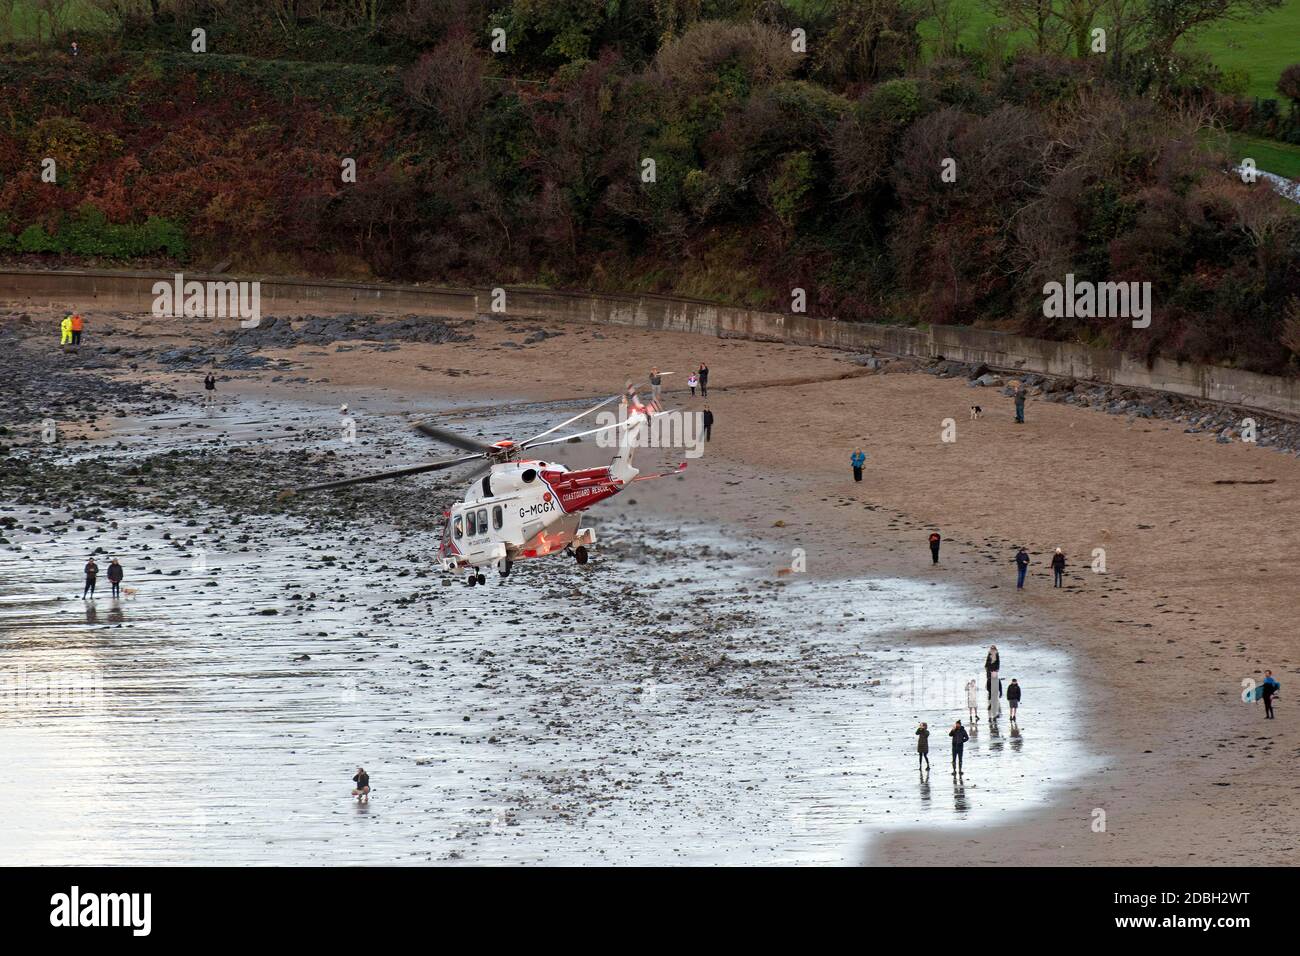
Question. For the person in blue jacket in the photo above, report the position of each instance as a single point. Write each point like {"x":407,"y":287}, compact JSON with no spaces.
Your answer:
{"x":859,"y":459}
{"x":1267,"y":691}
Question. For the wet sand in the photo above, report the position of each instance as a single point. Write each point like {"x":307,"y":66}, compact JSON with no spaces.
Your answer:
{"x":1133,"y":675}
{"x":635,"y":711}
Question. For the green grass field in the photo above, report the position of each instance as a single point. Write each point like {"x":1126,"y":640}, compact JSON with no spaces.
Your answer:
{"x":25,"y":22}
{"x":1270,"y":155}
{"x":1260,"y":47}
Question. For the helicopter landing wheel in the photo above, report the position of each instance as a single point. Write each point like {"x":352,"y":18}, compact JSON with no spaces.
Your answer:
{"x":504,"y":568}
{"x":471,"y":581}
{"x":580,"y":553}
{"x":481,"y":579}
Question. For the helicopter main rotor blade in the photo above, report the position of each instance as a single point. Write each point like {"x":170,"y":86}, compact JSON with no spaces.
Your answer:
{"x":555,"y":428}
{"x":634,"y":419}
{"x":384,"y":475}
{"x":449,"y":437}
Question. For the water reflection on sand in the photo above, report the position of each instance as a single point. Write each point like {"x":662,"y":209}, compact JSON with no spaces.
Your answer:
{"x":719,"y":718}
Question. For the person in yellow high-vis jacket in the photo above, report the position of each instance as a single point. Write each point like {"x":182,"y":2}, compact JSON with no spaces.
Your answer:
{"x":66,"y":329}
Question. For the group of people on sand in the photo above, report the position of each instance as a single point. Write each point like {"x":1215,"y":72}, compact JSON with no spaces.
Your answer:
{"x":959,"y":735}
{"x":115,"y":575}
{"x":71,"y":329}
{"x":1022,"y":568}
{"x":697,"y":379}
{"x":1022,"y":561}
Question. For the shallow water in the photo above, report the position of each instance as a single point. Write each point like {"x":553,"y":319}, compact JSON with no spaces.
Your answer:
{"x":637,"y":710}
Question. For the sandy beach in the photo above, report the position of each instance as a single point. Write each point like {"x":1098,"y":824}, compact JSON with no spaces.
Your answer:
{"x":1197,"y":595}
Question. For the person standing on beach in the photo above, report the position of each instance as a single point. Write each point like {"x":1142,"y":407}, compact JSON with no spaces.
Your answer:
{"x":1058,"y":568}
{"x":1267,"y":691}
{"x":972,"y":701}
{"x":78,"y":325}
{"x":935,"y":540}
{"x":209,"y":389}
{"x":959,"y":738}
{"x":115,"y":577}
{"x":993,"y":664}
{"x":656,"y":384}
{"x":858,"y":459}
{"x":65,"y":331}
{"x":1022,"y":565}
{"x":1013,"y":698}
{"x":708,"y":424}
{"x":1019,"y":396}
{"x":704,"y":380}
{"x":692,"y":382}
{"x":92,"y":572}
{"x":922,"y":746}
{"x":362,"y":780}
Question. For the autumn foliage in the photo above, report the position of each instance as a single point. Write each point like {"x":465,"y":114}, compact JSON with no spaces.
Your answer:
{"x":700,"y":158}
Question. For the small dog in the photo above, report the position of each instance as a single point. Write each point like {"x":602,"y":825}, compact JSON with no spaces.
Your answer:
{"x":975,"y":412}
{"x":128,"y":592}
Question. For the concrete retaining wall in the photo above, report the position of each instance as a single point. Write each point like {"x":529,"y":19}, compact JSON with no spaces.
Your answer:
{"x":133,"y":292}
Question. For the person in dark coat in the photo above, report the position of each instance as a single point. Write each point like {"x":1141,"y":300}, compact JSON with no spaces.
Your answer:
{"x":1022,"y":565}
{"x":703,"y":374}
{"x":362,"y":780}
{"x":115,"y":576}
{"x":922,"y":746}
{"x":1058,"y":568}
{"x":92,"y":573}
{"x":934,"y":546}
{"x":1020,"y":404}
{"x":708,"y":424}
{"x":959,"y":738}
{"x":1013,"y":697}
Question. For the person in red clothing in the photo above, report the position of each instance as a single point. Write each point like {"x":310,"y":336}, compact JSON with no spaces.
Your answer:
{"x":934,"y":546}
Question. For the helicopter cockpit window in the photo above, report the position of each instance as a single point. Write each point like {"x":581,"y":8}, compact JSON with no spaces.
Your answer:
{"x":456,"y":528}
{"x":471,"y":527}
{"x":496,"y":517}
{"x":482,"y":521}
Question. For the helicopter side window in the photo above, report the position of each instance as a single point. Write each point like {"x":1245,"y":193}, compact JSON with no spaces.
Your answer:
{"x":457,"y":529}
{"x":496,"y":517}
{"x":482,"y":521}
{"x":471,"y":526}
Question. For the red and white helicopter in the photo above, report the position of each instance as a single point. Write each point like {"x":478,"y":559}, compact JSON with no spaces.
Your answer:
{"x":520,"y":507}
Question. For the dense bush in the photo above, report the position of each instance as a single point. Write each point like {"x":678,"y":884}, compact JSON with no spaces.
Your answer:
{"x":671,"y":147}
{"x":89,"y":234}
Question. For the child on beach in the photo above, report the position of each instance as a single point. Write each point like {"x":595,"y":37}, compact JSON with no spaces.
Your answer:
{"x":362,"y":780}
{"x":1013,"y":698}
{"x":972,"y":700}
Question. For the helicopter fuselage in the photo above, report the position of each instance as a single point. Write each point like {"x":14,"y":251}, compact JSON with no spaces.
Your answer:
{"x":523,"y":509}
